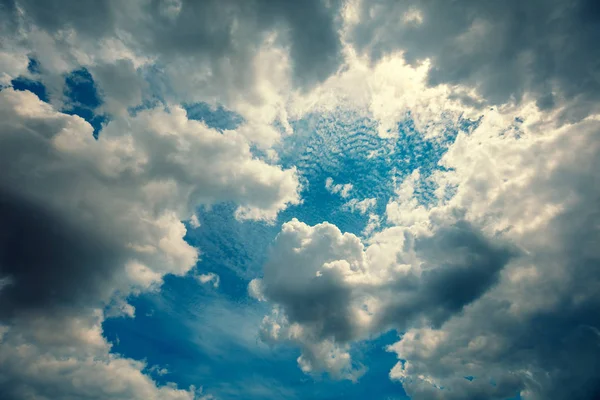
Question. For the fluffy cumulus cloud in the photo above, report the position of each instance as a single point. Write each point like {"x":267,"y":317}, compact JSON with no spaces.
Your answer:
{"x":330,"y":289}
{"x":497,"y":282}
{"x":509,"y":51}
{"x":193,"y":50}
{"x":536,"y":331}
{"x":58,"y":356}
{"x":337,"y":188}
{"x":116,"y":201}
{"x":491,"y":280}
{"x":87,"y":222}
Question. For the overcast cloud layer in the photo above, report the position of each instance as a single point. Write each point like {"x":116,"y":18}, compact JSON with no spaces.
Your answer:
{"x":486,"y":265}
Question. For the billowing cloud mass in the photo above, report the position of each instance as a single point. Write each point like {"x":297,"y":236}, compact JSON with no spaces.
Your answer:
{"x":208,"y":41}
{"x":329,"y":288}
{"x":85,"y":223}
{"x":484,"y":260}
{"x":115,"y":202}
{"x":498,"y":283}
{"x":59,"y":356}
{"x":510,"y":51}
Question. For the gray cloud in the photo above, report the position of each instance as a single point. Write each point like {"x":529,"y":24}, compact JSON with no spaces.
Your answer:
{"x":122,"y":85}
{"x":76,"y":213}
{"x":63,"y":356}
{"x":323,"y":281}
{"x":86,"y":223}
{"x":537,"y":330}
{"x":504,"y":49}
{"x":459,"y":264}
{"x":216,"y":33}
{"x":49,"y":261}
{"x":498,"y":284}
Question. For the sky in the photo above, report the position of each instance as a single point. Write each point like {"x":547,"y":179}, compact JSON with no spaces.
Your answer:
{"x":321,"y":199}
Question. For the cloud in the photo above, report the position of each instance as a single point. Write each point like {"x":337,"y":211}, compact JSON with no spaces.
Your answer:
{"x":495,"y":280}
{"x":533,"y":333}
{"x":342,"y":189}
{"x":64,"y":356}
{"x":121,"y":84}
{"x":209,"y":277}
{"x":103,"y":204}
{"x":543,"y":50}
{"x":87,"y":222}
{"x":362,"y":206}
{"x":220,"y":40}
{"x":194,"y":221}
{"x":246,"y":56}
{"x":12,"y":65}
{"x":329,"y":290}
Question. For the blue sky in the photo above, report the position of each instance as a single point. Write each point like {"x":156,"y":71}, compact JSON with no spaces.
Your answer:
{"x":274,"y":200}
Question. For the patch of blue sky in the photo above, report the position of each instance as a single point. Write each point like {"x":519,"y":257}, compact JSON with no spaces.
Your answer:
{"x":201,"y":337}
{"x":83,"y":99}
{"x":345,"y":146}
{"x":81,"y":95}
{"x":30,"y":83}
{"x":230,"y":245}
{"x":81,"y":89}
{"x":35,"y":87}
{"x":216,"y":117}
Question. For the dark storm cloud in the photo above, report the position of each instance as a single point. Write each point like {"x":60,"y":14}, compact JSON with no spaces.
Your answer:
{"x":564,"y":342}
{"x":505,"y":49}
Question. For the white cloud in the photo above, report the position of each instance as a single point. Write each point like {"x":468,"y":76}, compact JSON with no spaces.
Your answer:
{"x":194,"y":222}
{"x":473,"y":44}
{"x":209,"y":277}
{"x":535,"y":187}
{"x":103,"y":220}
{"x":361,"y":206}
{"x":12,"y":64}
{"x":329,"y":290}
{"x":405,"y":209}
{"x":373,"y":223}
{"x":64,"y":356}
{"x":484,"y":283}
{"x":342,"y":189}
